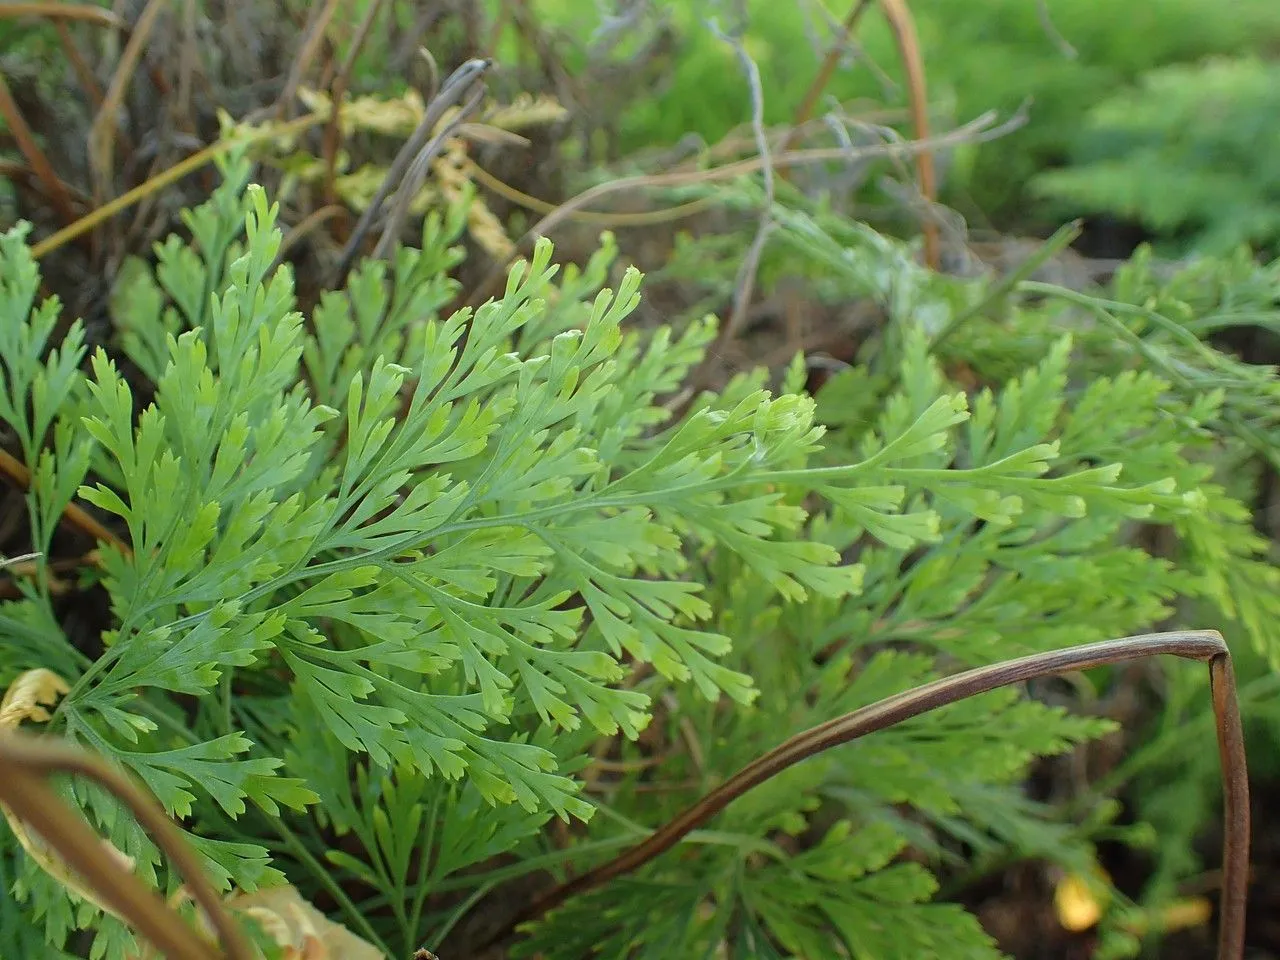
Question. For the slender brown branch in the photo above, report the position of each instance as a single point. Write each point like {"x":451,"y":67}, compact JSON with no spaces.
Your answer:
{"x":54,"y":188}
{"x":78,"y":64}
{"x":333,"y":132}
{"x":904,"y":32}
{"x":316,"y":27}
{"x":27,"y":762}
{"x":823,"y":76}
{"x":20,"y":476}
{"x":1205,"y":646}
{"x":1235,"y":789}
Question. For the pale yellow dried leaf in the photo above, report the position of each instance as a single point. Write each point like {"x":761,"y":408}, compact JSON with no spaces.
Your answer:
{"x":28,"y":696}
{"x":303,"y":931}
{"x":1184,"y":914}
{"x":1074,"y":903}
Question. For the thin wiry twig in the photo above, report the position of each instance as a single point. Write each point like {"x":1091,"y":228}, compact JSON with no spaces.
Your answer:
{"x":904,"y":32}
{"x":745,"y":281}
{"x":1205,"y":646}
{"x":20,"y":476}
{"x":332,"y":131}
{"x":77,"y":61}
{"x":316,"y":26}
{"x":1053,"y":33}
{"x":976,"y":131}
{"x":823,"y":76}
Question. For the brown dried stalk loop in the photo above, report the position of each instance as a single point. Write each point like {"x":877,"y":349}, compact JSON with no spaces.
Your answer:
{"x":27,"y":762}
{"x":1206,"y":646}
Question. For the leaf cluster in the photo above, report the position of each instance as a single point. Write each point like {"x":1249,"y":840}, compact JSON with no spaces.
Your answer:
{"x":399,"y":586}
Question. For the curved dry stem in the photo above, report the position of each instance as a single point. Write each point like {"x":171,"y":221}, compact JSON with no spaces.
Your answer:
{"x":1205,"y":646}
{"x":825,"y":72}
{"x":904,"y":32}
{"x":27,"y":762}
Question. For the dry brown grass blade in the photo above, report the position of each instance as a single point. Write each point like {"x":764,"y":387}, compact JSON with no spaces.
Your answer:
{"x":54,"y":189}
{"x":103,"y":131}
{"x":25,"y":765}
{"x":62,"y":11}
{"x":1205,"y":646}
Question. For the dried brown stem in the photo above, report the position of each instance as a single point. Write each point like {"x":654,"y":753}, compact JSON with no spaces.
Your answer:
{"x":62,"y":11}
{"x":904,"y":31}
{"x":316,"y":26}
{"x":1204,"y":646}
{"x":27,"y":762}
{"x":54,"y":188}
{"x":332,"y":131}
{"x":78,"y":64}
{"x":20,"y":476}
{"x":823,"y":77}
